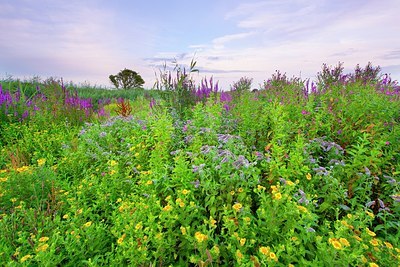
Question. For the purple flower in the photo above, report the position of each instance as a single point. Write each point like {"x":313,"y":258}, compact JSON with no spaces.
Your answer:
{"x":196,"y":183}
{"x":152,"y":103}
{"x":310,"y":230}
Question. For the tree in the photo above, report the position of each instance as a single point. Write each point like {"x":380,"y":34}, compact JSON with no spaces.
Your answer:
{"x":126,"y":79}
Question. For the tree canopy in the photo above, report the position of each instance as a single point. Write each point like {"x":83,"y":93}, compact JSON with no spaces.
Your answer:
{"x":126,"y":79}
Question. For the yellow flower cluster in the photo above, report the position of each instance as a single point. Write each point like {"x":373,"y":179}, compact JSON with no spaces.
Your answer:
{"x":121,"y":239}
{"x":369,"y":232}
{"x":25,"y":258}
{"x":266,"y":251}
{"x":275,"y":189}
{"x":180,"y":202}
{"x":167,"y":208}
{"x":42,"y":248}
{"x":260,"y":187}
{"x":237,"y":207}
{"x":289,"y":183}
{"x":43,"y":239}
{"x":277,"y":196}
{"x":23,"y":169}
{"x":302,"y":209}
{"x":185,"y":192}
{"x":339,"y":243}
{"x":200,"y":237}
{"x":41,"y":162}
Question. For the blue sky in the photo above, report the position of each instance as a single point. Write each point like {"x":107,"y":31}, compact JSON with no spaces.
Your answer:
{"x":87,"y":40}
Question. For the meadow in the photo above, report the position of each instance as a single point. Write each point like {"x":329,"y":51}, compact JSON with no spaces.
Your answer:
{"x":296,"y":173}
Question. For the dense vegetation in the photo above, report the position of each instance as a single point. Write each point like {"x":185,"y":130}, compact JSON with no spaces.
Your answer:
{"x":295,"y":174}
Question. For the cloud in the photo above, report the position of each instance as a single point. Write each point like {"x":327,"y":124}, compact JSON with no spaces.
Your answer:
{"x":395,"y":54}
{"x":220,"y":42}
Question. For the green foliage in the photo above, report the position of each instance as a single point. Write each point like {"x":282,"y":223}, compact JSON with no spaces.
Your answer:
{"x":126,"y":79}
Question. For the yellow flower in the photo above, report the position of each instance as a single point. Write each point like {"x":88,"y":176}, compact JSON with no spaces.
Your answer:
{"x":240,"y":190}
{"x":43,"y":239}
{"x":41,"y":162}
{"x":113,"y":163}
{"x":289,"y":183}
{"x":349,"y":216}
{"x":139,"y":226}
{"x":260,"y":187}
{"x":180,"y":202}
{"x":344,"y":242}
{"x":264,"y":250}
{"x":373,"y":264}
{"x":374,"y":242}
{"x":388,"y":245}
{"x":183,"y":230}
{"x":247,"y":219}
{"x":3,"y":179}
{"x":272,"y":256}
{"x":200,"y":237}
{"x":242,"y":241}
{"x":237,"y":206}
{"x":239,"y":254}
{"x":121,"y":239}
{"x":167,"y":208}
{"x":23,"y":169}
{"x":370,"y":214}
{"x":25,"y":258}
{"x":212,"y":222}
{"x":336,"y":244}
{"x":185,"y":192}
{"x":357,"y":238}
{"x":13,"y":200}
{"x":278,"y":196}
{"x":66,"y":216}
{"x":274,"y":189}
{"x":215,"y":249}
{"x":302,"y":209}
{"x":364,"y":259}
{"x":88,"y":224}
{"x":232,"y":192}
{"x":370,"y":232}
{"x":308,"y":176}
{"x":42,"y":247}
{"x":149,"y":182}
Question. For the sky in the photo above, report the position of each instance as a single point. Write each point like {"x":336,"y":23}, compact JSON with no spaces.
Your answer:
{"x":84,"y":41}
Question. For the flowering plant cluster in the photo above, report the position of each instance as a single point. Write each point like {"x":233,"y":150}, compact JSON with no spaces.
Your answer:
{"x":295,"y":174}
